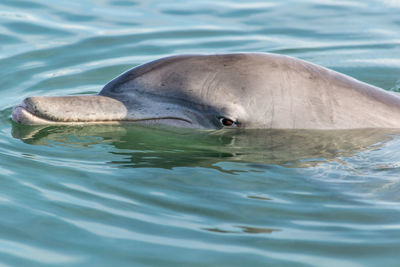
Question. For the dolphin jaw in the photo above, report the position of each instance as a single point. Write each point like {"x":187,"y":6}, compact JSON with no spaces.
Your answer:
{"x":31,"y":113}
{"x":22,"y":115}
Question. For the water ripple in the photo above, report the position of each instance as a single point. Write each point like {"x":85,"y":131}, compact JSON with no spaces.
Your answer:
{"x":35,"y":254}
{"x":137,"y":196}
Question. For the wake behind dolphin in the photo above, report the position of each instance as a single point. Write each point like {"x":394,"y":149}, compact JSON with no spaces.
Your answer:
{"x":241,"y":90}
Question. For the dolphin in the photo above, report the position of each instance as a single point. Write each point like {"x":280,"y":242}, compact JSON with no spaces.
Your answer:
{"x":239,"y":90}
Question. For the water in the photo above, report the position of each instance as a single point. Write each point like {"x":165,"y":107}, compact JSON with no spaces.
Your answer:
{"x":136,"y":196}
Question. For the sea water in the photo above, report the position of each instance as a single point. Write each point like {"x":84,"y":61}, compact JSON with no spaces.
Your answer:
{"x":141,"y":196}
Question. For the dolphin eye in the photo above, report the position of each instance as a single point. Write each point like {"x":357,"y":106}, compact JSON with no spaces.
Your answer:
{"x":226,"y":122}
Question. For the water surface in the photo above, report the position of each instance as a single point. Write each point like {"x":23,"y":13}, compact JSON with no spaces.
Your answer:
{"x":138,"y":196}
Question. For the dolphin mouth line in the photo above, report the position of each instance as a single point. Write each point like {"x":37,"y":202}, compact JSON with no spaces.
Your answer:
{"x":21,"y":113}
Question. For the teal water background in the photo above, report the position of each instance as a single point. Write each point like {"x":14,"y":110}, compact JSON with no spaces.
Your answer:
{"x":136,"y":196}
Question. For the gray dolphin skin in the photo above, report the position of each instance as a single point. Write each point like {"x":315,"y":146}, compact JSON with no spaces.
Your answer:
{"x":241,"y":90}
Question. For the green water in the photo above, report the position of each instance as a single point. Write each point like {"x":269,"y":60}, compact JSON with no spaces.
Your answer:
{"x":137,"y":196}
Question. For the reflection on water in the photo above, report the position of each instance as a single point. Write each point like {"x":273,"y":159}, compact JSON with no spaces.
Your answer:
{"x":169,"y":148}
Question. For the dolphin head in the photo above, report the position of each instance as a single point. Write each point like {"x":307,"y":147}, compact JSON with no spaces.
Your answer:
{"x":191,"y":91}
{"x":243,"y":90}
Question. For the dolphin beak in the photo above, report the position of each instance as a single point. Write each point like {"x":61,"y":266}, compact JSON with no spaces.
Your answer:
{"x":83,"y":109}
{"x":69,"y":109}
